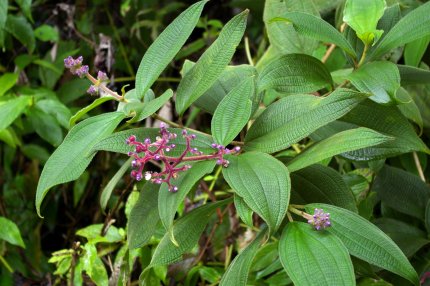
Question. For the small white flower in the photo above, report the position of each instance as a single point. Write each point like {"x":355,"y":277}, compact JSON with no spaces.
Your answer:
{"x":148,"y":176}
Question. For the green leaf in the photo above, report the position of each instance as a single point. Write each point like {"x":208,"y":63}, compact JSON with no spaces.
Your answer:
{"x":242,"y":209}
{"x":144,"y":216}
{"x":237,"y":272}
{"x":313,"y":257}
{"x":93,"y":234}
{"x":381,"y":79}
{"x":294,"y":117}
{"x":211,"y":64}
{"x":320,"y":184}
{"x":94,"y":266}
{"x":187,"y":231}
{"x":3,"y":15}
{"x":414,"y":51}
{"x":413,"y":26}
{"x":411,"y":75}
{"x":10,"y":232}
{"x":25,"y":6}
{"x":402,"y":191}
{"x":166,"y":46}
{"x":408,"y":237}
{"x":341,"y":142}
{"x":116,"y":142}
{"x":409,"y":108}
{"x":75,"y":153}
{"x":315,"y":27}
{"x":294,"y":73}
{"x":367,"y":242}
{"x":46,"y":126}
{"x":263,"y":182}
{"x":168,"y":202}
{"x":282,"y":36}
{"x":387,"y":120}
{"x":233,"y":112}
{"x":87,"y":109}
{"x":56,"y":109}
{"x":46,"y":33}
{"x":107,"y":190}
{"x":21,"y":30}
{"x":363,"y":16}
{"x":7,"y":81}
{"x":11,"y":109}
{"x":143,"y":110}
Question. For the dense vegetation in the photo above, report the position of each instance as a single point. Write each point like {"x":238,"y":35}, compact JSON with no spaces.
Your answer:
{"x":241,"y":142}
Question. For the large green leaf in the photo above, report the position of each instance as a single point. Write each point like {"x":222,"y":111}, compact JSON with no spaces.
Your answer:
{"x":320,"y":184}
{"x":402,"y":191}
{"x":75,"y":153}
{"x":19,"y":27}
{"x":144,"y":216}
{"x":264,"y":184}
{"x":116,"y":142}
{"x":293,"y":118}
{"x":312,"y":26}
{"x":387,"y":120}
{"x":10,"y":232}
{"x":341,"y":142}
{"x":12,"y":108}
{"x":413,"y":26}
{"x":7,"y":81}
{"x":282,"y":36}
{"x":211,"y":64}
{"x":313,"y":257}
{"x":294,"y":73}
{"x":187,"y":231}
{"x":367,"y":242}
{"x":140,"y":111}
{"x":381,"y":79}
{"x":237,"y":272}
{"x":166,"y":46}
{"x":233,"y":112}
{"x":168,"y":202}
{"x":363,"y":16}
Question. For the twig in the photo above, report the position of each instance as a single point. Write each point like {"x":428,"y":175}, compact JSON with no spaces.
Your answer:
{"x":248,"y":52}
{"x":418,"y":165}
{"x":8,"y":267}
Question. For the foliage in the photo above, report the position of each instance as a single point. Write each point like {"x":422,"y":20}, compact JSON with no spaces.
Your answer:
{"x":295,"y":152}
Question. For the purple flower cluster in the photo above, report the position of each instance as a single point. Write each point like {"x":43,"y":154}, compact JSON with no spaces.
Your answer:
{"x":320,"y":219}
{"x":75,"y":66}
{"x":94,"y":88}
{"x":157,"y":151}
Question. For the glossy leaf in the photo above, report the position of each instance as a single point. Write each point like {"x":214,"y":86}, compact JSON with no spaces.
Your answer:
{"x":265,"y":187}
{"x":141,"y":111}
{"x":312,"y":26}
{"x":320,"y":184}
{"x":166,"y":46}
{"x":7,"y":81}
{"x":345,"y":141}
{"x":169,"y":202}
{"x":87,"y":109}
{"x":242,"y":209}
{"x":211,"y":64}
{"x":110,"y":186}
{"x":381,"y":79}
{"x":363,"y":16}
{"x":94,"y":266}
{"x":12,"y":108}
{"x":293,"y":118}
{"x":73,"y":156}
{"x":413,"y":26}
{"x":402,"y":191}
{"x":367,"y":242}
{"x":187,"y":231}
{"x":116,"y":142}
{"x":233,"y":112}
{"x":10,"y":232}
{"x":294,"y":73}
{"x":237,"y":272}
{"x":144,"y":216}
{"x":314,"y":258}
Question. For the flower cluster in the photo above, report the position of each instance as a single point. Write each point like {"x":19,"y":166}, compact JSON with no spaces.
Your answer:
{"x":101,"y":79}
{"x":158,"y":151}
{"x":320,"y":219}
{"x":75,"y":66}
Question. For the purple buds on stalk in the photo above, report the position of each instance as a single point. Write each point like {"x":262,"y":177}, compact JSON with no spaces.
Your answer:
{"x":320,"y":219}
{"x":75,"y":66}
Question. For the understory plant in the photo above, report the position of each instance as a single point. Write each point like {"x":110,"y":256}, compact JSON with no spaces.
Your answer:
{"x":297,"y":154}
